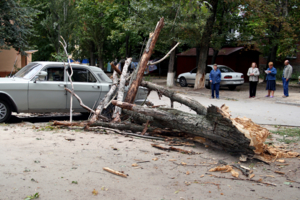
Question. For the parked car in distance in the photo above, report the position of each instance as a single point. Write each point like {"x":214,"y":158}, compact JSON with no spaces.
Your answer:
{"x":229,"y":78}
{"x":39,"y":87}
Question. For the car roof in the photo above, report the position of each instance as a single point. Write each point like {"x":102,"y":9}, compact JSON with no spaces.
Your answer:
{"x":218,"y":65}
{"x":44,"y":63}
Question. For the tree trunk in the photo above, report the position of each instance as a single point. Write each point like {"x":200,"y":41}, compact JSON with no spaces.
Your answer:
{"x":121,"y":90}
{"x":204,"y":45}
{"x":127,"y":46}
{"x":170,"y":77}
{"x":200,"y":76}
{"x":133,"y":88}
{"x":216,"y":126}
{"x":213,"y":60}
{"x":92,"y":55}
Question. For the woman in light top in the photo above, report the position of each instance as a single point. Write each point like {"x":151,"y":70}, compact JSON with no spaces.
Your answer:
{"x":253,"y":74}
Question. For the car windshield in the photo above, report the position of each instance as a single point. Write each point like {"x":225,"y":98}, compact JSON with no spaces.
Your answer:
{"x":225,"y":69}
{"x":28,"y":71}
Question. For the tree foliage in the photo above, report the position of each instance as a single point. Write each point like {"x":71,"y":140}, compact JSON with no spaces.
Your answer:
{"x":271,"y":25}
{"x":15,"y":25}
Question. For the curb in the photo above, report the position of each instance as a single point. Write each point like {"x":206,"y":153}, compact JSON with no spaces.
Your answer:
{"x":288,"y":103}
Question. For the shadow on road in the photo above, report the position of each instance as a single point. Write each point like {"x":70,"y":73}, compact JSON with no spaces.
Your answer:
{"x":38,"y":119}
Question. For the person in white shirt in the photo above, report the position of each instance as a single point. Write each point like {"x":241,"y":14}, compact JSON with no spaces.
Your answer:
{"x":253,"y":74}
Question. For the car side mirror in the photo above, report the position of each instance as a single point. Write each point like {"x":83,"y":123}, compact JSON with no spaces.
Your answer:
{"x":40,"y":76}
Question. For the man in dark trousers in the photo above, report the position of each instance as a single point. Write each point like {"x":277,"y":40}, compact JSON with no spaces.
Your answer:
{"x":286,"y":75}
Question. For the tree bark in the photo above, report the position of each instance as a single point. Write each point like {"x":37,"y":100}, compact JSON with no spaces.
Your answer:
{"x":170,"y":77}
{"x":92,"y":55}
{"x":204,"y":45}
{"x":133,"y":88}
{"x":121,"y":90}
{"x":193,"y":104}
{"x":115,"y":68}
{"x":214,"y":58}
{"x":215,"y":126}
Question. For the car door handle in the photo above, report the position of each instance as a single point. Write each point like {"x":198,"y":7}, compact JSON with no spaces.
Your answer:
{"x":62,"y":85}
{"x":96,"y":86}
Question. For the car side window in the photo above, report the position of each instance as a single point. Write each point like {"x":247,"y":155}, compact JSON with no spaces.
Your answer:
{"x":55,"y":74}
{"x":82,"y":75}
{"x":225,"y":69}
{"x":194,"y":71}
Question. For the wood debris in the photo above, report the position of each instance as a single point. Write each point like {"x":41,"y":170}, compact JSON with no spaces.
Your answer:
{"x":172,"y":149}
{"x":114,"y":172}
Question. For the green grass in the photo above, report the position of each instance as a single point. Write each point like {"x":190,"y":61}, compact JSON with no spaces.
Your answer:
{"x":289,"y":135}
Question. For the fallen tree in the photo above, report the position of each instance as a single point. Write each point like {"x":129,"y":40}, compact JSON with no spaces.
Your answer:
{"x":211,"y":126}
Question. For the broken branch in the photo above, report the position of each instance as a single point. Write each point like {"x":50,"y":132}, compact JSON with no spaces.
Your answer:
{"x":154,"y":63}
{"x":114,"y":172}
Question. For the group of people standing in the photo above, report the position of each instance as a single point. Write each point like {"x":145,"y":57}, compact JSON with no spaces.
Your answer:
{"x":253,"y":73}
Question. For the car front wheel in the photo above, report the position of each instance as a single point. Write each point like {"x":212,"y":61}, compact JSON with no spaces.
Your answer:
{"x":5,"y":111}
{"x":182,"y":82}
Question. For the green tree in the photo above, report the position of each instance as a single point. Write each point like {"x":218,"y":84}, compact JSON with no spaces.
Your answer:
{"x":15,"y":25}
{"x":272,"y":26}
{"x":184,"y":23}
{"x":95,"y":25}
{"x":59,"y":20}
{"x":227,"y":19}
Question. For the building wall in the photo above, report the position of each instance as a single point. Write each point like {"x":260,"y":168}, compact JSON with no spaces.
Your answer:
{"x":7,"y":60}
{"x":185,"y":64}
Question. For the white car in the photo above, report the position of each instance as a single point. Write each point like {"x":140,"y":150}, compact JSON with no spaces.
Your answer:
{"x":229,"y":78}
{"x":40,"y":87}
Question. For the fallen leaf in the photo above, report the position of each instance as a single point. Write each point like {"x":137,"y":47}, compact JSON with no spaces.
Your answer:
{"x":251,"y":176}
{"x":202,"y":176}
{"x":187,"y":183}
{"x":279,"y":172}
{"x":281,"y":161}
{"x":95,"y":192}
{"x":187,"y":173}
{"x":222,"y":194}
{"x":134,"y":165}
{"x":287,"y":183}
{"x":234,"y":173}
{"x":226,"y":168}
{"x":155,"y":159}
{"x":172,"y":160}
{"x":209,"y":191}
{"x":183,"y":163}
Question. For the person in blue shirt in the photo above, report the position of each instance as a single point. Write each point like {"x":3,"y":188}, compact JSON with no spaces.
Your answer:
{"x":271,"y":80}
{"x":215,"y":79}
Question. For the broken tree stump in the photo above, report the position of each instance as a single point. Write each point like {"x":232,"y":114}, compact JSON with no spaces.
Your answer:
{"x":121,"y":90}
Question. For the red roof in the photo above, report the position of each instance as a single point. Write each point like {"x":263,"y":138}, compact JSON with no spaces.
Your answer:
{"x":223,"y":52}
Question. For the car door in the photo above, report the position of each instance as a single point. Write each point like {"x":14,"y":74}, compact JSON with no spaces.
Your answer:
{"x":86,"y":86}
{"x":48,"y":95}
{"x":191,"y":76}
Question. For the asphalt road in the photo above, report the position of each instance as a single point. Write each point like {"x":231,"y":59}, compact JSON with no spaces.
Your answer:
{"x":259,"y":110}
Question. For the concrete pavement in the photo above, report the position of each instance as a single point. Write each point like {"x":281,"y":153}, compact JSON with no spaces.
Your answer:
{"x":261,"y":110}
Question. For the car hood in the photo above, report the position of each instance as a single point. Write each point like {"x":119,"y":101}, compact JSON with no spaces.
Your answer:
{"x":184,"y":74}
{"x":13,"y":80}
